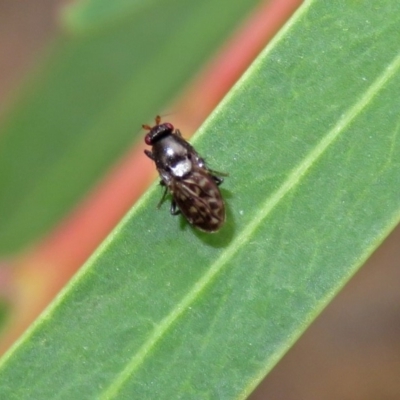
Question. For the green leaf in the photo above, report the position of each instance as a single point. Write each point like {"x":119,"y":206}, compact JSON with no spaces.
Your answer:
{"x":104,"y":77}
{"x":309,"y":137}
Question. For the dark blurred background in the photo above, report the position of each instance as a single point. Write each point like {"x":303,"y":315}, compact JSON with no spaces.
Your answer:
{"x":352,"y":351}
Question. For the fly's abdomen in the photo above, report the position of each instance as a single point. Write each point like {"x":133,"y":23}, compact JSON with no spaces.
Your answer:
{"x":200,"y":201}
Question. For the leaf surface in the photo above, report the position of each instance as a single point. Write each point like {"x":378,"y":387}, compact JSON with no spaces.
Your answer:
{"x":309,"y":137}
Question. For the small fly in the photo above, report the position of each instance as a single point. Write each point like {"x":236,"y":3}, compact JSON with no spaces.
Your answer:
{"x":193,"y":186}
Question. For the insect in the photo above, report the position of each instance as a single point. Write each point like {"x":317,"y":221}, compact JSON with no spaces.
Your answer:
{"x":193,"y":186}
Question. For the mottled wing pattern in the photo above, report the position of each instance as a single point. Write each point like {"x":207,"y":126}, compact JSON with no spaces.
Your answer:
{"x":200,"y":201}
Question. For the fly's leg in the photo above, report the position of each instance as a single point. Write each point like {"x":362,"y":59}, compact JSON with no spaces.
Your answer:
{"x":174,"y":209}
{"x":217,"y":179}
{"x":149,"y":154}
{"x":217,"y":176}
{"x":164,"y":194}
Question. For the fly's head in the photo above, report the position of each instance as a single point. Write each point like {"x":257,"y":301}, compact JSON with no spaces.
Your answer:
{"x":158,"y":131}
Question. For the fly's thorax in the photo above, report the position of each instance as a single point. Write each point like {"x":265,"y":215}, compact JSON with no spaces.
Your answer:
{"x":181,"y":168}
{"x":173,"y":155}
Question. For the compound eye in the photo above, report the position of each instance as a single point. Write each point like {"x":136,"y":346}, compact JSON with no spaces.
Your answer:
{"x":169,"y":126}
{"x":148,"y":140}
